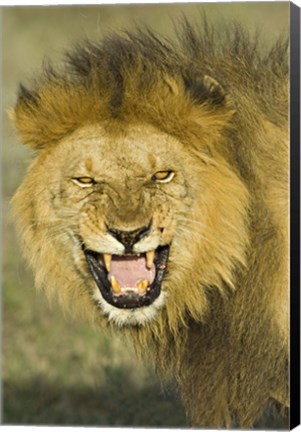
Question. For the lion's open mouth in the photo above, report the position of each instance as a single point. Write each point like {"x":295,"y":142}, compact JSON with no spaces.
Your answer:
{"x":129,"y":281}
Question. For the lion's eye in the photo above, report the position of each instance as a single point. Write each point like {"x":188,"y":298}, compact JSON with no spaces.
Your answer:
{"x":163,"y":176}
{"x":84,"y":181}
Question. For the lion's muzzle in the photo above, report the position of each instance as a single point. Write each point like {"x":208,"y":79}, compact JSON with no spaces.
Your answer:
{"x":129,"y":278}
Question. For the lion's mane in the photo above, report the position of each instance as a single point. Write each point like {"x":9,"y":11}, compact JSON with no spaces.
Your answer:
{"x":223,"y":332}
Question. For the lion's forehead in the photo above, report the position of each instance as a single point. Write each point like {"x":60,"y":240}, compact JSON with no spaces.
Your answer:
{"x":135,"y":150}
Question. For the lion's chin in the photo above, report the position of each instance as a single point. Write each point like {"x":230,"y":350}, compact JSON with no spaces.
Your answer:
{"x":130,"y":269}
{"x":130,"y":317}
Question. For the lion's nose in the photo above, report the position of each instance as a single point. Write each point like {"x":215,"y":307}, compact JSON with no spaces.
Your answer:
{"x":129,"y":238}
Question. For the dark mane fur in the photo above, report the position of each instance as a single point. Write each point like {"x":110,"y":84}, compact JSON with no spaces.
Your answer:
{"x":232,"y":56}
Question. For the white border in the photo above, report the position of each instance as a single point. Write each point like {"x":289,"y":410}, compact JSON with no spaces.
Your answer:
{"x":98,"y":2}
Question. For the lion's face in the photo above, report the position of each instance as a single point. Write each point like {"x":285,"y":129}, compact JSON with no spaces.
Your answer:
{"x":127,"y":195}
{"x":128,"y":219}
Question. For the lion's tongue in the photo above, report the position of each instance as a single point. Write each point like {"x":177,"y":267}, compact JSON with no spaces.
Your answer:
{"x":130,"y":270}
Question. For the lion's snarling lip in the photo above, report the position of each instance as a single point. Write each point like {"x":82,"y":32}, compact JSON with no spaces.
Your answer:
{"x":146,"y":284}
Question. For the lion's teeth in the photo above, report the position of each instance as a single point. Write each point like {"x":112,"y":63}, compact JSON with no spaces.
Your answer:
{"x":150,"y":258}
{"x":115,"y":285}
{"x":107,"y":259}
{"x":143,"y":285}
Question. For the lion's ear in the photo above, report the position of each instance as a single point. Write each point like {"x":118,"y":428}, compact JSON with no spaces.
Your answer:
{"x":211,"y":107}
{"x":45,"y":115}
{"x":216,"y":93}
{"x":24,"y":116}
{"x":206,"y":91}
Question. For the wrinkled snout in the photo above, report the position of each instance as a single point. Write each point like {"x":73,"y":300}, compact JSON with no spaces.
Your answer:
{"x":129,"y":238}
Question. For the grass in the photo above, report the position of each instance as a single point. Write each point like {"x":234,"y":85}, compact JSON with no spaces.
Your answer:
{"x":57,"y":371}
{"x":111,"y":404}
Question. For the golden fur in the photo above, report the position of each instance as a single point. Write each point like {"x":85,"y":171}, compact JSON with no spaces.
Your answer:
{"x":214,"y":109}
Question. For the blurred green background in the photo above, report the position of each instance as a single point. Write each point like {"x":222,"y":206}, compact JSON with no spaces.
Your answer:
{"x":57,"y":371}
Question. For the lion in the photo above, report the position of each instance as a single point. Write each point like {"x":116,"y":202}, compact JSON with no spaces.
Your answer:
{"x":156,"y":206}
